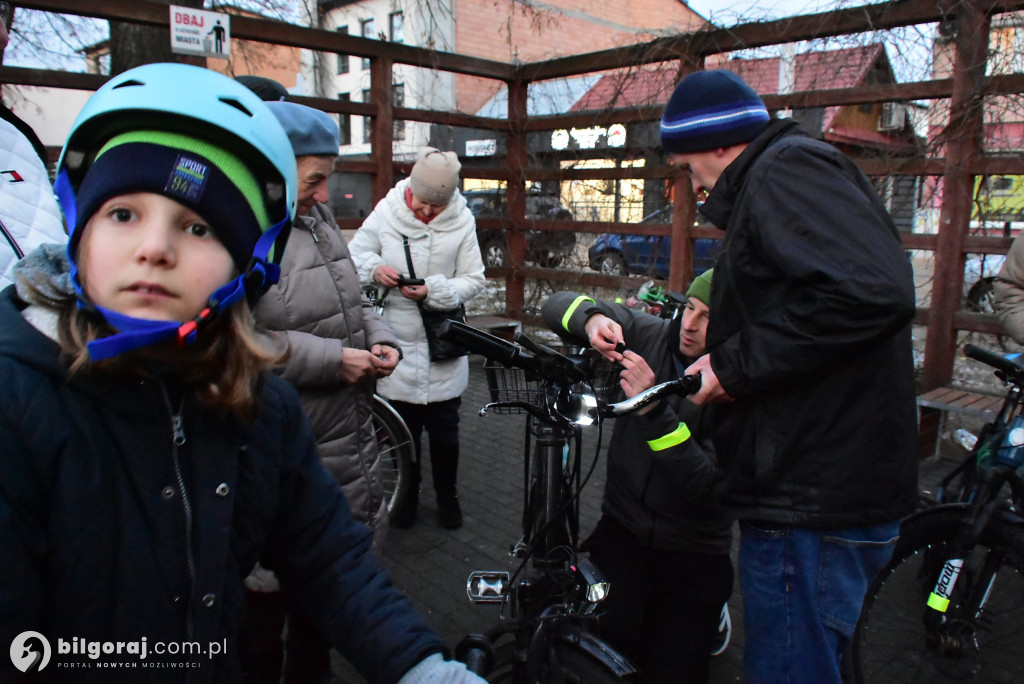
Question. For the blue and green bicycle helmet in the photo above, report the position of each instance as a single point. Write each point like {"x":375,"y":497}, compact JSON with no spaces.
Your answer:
{"x":202,"y":139}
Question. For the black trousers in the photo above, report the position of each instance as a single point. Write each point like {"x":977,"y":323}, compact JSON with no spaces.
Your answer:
{"x":663,"y":607}
{"x":441,"y":421}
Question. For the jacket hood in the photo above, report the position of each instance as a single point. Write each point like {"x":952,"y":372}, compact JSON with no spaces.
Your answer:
{"x":452,"y":217}
{"x":718,"y":207}
{"x":48,"y":269}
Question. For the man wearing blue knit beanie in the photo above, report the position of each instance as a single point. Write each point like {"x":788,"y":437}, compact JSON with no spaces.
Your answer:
{"x":810,"y":366}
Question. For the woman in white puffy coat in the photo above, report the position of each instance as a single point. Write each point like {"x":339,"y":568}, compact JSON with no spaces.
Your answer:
{"x":427,"y":213}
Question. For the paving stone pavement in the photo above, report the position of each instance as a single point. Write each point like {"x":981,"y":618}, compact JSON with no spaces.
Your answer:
{"x":430,"y":564}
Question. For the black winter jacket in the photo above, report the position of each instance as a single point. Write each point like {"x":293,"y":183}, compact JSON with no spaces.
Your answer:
{"x":813,"y":298}
{"x":109,"y":532}
{"x":662,"y":492}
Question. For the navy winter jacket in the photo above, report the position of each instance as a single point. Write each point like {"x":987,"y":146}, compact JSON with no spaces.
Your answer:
{"x":110,"y":532}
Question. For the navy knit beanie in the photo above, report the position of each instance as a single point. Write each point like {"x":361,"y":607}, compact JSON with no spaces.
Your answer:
{"x":199,"y":175}
{"x":711,"y":109}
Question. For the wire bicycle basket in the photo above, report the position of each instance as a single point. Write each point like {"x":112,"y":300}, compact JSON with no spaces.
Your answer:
{"x":513,"y":384}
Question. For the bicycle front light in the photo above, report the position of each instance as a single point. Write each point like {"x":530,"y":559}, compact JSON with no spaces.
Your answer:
{"x":597,"y":587}
{"x":581,"y":409}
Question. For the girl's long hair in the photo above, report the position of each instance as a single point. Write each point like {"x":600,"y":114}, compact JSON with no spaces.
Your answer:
{"x":225,"y":365}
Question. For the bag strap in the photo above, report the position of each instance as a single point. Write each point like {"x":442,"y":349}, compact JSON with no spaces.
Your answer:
{"x":408,"y":256}
{"x":412,"y":274}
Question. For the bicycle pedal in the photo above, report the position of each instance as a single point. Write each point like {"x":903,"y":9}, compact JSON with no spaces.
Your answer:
{"x":487,"y":586}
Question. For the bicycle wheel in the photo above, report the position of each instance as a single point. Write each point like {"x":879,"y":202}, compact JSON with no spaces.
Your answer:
{"x":575,"y":666}
{"x":394,"y":444}
{"x":891,"y":643}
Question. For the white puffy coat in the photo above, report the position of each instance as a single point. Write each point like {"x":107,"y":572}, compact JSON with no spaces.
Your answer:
{"x":29,"y":215}
{"x":446,"y":254}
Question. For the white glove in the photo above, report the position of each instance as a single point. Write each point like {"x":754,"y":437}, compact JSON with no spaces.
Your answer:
{"x":434,"y":669}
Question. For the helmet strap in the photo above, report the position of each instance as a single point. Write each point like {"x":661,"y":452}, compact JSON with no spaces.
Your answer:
{"x":134,"y":333}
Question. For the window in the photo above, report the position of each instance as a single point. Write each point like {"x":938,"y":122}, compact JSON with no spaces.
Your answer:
{"x":367,"y":121}
{"x":398,"y":100}
{"x":343,"y":59}
{"x":345,"y":121}
{"x":397,"y":29}
{"x":368,"y":32}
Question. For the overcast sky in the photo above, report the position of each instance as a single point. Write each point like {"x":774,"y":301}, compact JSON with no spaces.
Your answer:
{"x":727,"y":11}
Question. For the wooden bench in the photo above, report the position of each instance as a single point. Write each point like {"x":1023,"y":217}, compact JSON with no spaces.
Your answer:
{"x":934,"y":405}
{"x":499,"y":326}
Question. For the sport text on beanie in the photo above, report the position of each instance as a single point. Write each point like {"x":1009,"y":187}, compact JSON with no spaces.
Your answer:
{"x":700,"y":288}
{"x":435,"y":175}
{"x":207,"y":179}
{"x":711,"y":109}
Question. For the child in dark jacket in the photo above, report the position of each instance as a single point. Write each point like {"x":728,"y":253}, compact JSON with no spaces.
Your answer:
{"x":149,"y":459}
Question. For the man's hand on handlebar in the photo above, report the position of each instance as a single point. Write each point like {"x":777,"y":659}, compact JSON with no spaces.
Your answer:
{"x":710,"y":389}
{"x":605,"y":336}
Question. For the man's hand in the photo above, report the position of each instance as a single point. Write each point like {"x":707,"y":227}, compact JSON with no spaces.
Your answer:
{"x":604,"y":335}
{"x":636,"y":376}
{"x":710,"y":389}
{"x":358,"y":364}
{"x":386,"y":275}
{"x":388,"y":357}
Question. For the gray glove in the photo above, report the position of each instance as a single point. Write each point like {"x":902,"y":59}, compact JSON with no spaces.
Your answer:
{"x":435,"y":669}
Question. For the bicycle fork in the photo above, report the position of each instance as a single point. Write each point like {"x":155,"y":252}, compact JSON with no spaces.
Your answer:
{"x":954,"y":633}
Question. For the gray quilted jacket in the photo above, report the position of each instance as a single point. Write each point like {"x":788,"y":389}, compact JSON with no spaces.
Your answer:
{"x":318,"y":306}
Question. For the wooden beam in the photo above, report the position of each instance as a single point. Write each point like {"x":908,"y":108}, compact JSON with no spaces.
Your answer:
{"x":283,"y":33}
{"x":382,"y":133}
{"x":515,"y":198}
{"x":964,"y":134}
{"x":863,"y":19}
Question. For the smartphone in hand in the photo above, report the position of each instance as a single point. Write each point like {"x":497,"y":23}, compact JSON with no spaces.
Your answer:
{"x":403,"y":281}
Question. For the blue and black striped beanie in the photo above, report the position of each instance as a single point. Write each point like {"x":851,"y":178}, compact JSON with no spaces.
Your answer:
{"x":711,"y":109}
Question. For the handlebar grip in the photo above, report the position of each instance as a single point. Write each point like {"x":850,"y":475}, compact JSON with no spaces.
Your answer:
{"x":992,"y":359}
{"x":479,"y":342}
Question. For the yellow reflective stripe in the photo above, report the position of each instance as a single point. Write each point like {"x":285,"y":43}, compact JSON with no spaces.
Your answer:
{"x":677,"y":436}
{"x":572,"y":309}
{"x":936,"y":602}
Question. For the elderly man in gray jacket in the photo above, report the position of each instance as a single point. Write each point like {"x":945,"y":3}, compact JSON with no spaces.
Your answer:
{"x":339,"y":346}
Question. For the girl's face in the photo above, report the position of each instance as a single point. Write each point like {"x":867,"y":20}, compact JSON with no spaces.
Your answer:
{"x":146,"y":256}
{"x":425,"y":210}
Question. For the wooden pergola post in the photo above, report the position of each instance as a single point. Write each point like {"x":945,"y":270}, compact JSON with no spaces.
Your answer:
{"x":964,"y":134}
{"x":383,"y":131}
{"x":515,"y":199}
{"x":684,"y":209}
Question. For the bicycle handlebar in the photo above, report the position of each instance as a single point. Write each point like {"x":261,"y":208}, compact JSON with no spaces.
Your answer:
{"x":541,"y":361}
{"x":549,"y":364}
{"x":1012,"y":371}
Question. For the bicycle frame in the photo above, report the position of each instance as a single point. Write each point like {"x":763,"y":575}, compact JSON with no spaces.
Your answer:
{"x":553,"y":596}
{"x":984,"y":475}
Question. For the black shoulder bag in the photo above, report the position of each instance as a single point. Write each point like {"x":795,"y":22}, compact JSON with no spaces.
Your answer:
{"x":440,"y":350}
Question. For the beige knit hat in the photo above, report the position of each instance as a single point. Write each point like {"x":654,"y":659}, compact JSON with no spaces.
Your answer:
{"x":435,"y":175}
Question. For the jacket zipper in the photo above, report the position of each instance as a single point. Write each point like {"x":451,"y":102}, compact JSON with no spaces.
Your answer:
{"x":177,"y":440}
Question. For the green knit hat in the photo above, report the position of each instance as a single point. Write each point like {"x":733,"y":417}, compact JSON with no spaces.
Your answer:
{"x":700,"y":288}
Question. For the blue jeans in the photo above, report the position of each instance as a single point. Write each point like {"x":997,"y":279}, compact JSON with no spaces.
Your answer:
{"x":802,"y":593}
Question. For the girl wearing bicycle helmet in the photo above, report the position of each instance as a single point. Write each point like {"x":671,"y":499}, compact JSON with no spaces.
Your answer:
{"x":148,"y":459}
